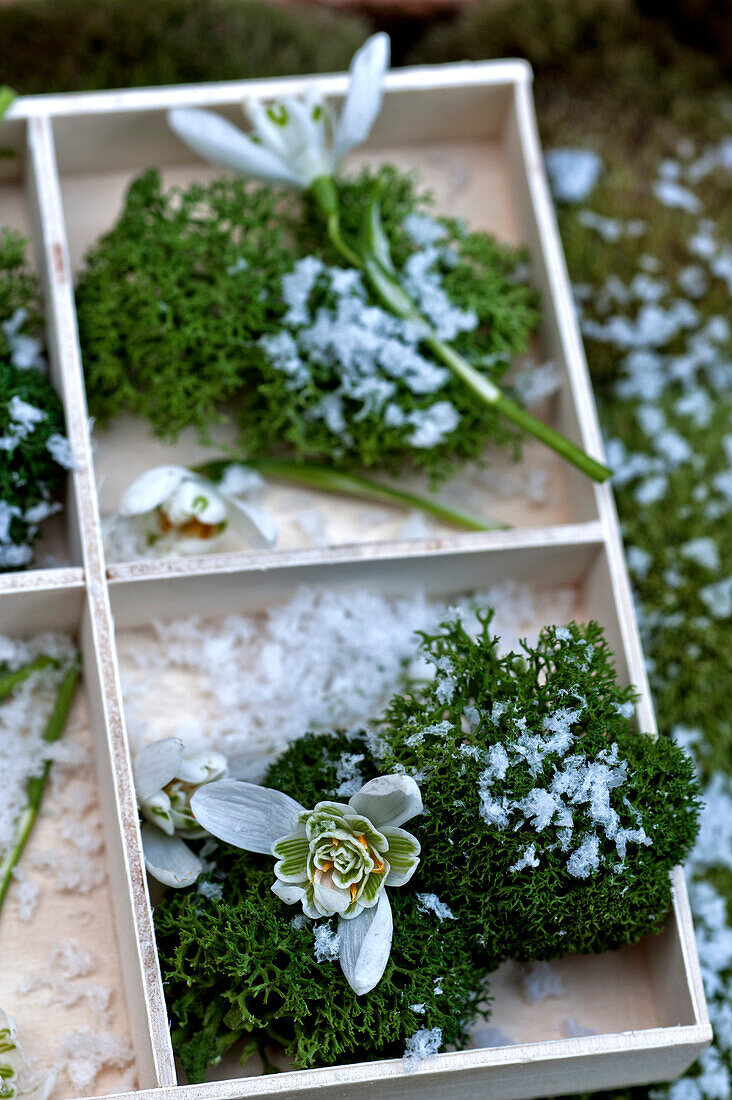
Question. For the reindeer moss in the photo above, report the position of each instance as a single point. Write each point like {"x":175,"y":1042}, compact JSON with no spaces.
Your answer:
{"x":447,"y":735}
{"x":241,"y":969}
{"x":175,"y":298}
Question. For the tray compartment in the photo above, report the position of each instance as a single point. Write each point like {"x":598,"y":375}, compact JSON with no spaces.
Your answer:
{"x":646,"y":991}
{"x":72,"y":855}
{"x":459,"y":132}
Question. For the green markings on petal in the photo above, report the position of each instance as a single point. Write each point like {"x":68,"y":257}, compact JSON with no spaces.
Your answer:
{"x":362,"y":827}
{"x":292,"y":855}
{"x":340,"y":860}
{"x":371,"y":887}
{"x":403,"y":856}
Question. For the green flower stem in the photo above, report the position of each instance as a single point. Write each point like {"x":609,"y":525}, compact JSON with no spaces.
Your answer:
{"x":37,"y":784}
{"x":334,"y":232}
{"x":316,"y":476}
{"x":492,"y":395}
{"x":10,"y":680}
{"x":395,"y":298}
{"x":7,"y":95}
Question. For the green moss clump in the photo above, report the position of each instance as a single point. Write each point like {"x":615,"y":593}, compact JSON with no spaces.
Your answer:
{"x":493,"y":739}
{"x":72,"y":45}
{"x":241,"y":967}
{"x":175,"y":299}
{"x":18,"y":289}
{"x":30,"y":476}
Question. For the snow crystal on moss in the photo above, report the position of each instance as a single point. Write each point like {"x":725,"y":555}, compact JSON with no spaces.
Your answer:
{"x":424,"y":284}
{"x":718,"y":598}
{"x":528,"y":858}
{"x":573,"y":173}
{"x":676,"y":196}
{"x":327,"y":946}
{"x":348,"y":774}
{"x":423,"y":230}
{"x":369,"y":350}
{"x":575,"y":797}
{"x":421,"y":1047}
{"x":704,"y":551}
{"x":59,"y":448}
{"x":430,"y":903}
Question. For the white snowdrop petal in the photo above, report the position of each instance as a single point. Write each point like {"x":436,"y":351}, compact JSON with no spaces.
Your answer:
{"x":291,"y":895}
{"x":330,"y":899}
{"x":169,"y":859}
{"x":219,"y":141}
{"x":365,"y":94}
{"x":201,"y":767}
{"x":252,"y":524}
{"x":365,"y":943}
{"x":151,"y":489}
{"x":388,"y":800}
{"x":155,"y":766}
{"x":245,"y":815}
{"x":195,"y":498}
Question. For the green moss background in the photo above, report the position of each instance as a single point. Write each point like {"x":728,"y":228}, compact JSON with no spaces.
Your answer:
{"x":611,"y":80}
{"x":78,"y":45}
{"x":629,"y":87}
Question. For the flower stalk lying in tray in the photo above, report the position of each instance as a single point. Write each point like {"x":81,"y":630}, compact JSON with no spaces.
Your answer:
{"x":297,"y":143}
{"x":335,"y":859}
{"x":36,"y":785}
{"x":326,"y":479}
{"x":173,"y":510}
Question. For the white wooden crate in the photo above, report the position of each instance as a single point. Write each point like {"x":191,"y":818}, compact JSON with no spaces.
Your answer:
{"x":77,"y":153}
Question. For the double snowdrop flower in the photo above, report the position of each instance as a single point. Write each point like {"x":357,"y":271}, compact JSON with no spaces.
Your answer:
{"x":336,"y":859}
{"x":15,"y":1080}
{"x":165,"y":781}
{"x":178,"y":510}
{"x":295,"y":141}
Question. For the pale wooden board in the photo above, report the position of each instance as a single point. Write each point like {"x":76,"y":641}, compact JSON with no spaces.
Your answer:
{"x":76,"y":916}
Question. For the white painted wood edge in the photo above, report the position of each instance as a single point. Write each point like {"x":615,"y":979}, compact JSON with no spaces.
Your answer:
{"x":412,"y":78}
{"x":685,"y":925}
{"x":41,"y":580}
{"x":440,"y":1066}
{"x":579,"y":534}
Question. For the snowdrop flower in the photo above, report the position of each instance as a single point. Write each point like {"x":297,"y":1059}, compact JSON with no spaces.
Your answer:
{"x":334,"y":859}
{"x":179,"y":510}
{"x":165,"y":780}
{"x":292,"y":137}
{"x":14,"y":1078}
